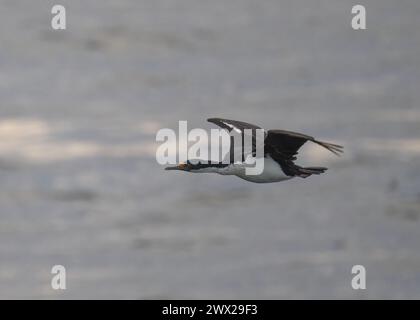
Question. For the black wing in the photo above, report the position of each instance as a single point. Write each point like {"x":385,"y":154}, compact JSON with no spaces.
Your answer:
{"x":288,"y":143}
{"x":283,"y":146}
{"x":238,"y":127}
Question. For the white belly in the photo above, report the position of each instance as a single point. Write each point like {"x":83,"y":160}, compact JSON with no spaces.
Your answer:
{"x":271,"y":173}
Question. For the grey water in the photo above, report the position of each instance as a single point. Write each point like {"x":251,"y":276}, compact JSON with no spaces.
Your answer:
{"x":80,"y":185}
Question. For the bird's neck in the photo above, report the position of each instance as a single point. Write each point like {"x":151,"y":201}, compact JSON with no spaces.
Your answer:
{"x":210,"y":168}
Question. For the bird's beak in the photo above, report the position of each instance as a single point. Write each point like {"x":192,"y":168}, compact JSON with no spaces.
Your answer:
{"x":181,"y":166}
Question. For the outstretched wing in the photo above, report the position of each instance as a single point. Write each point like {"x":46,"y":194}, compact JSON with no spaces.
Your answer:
{"x":287,"y":143}
{"x":283,"y":147}
{"x":239,"y":128}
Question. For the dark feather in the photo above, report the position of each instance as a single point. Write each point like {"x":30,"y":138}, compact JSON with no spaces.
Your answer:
{"x":287,"y":143}
{"x":226,"y":124}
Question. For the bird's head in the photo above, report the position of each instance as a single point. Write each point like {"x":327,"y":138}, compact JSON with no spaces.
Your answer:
{"x":187,"y":166}
{"x":182,"y":166}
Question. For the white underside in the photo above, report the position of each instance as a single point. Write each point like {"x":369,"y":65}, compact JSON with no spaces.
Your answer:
{"x":272,"y":172}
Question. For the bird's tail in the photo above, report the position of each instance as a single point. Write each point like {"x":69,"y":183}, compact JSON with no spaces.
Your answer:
{"x":306,"y":172}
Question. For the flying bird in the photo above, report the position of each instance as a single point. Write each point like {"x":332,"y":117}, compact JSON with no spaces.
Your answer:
{"x":280,"y":151}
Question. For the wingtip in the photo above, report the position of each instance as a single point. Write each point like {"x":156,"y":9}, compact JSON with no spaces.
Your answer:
{"x":334,"y":148}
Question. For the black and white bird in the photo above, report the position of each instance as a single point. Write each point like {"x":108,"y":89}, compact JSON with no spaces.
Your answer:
{"x":280,"y":150}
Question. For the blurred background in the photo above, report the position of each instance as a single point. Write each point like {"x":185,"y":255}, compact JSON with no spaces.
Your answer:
{"x":80,"y":186}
